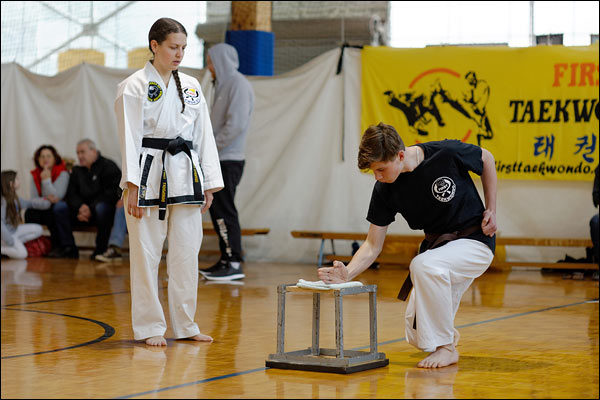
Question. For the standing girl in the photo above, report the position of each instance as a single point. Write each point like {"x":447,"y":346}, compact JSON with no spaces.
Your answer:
{"x":14,"y":232}
{"x":170,"y":170}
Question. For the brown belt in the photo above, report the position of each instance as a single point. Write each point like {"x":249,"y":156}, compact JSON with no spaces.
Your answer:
{"x":435,"y":240}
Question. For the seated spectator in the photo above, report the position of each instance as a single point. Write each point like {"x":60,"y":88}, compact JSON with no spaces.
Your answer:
{"x":117,"y":236}
{"x":50,"y":180}
{"x":14,"y":232}
{"x":91,"y":196}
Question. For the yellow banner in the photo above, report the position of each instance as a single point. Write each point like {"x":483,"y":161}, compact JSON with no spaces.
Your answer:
{"x":535,"y":108}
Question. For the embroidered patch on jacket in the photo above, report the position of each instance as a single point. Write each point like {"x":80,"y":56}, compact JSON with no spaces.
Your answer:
{"x":443,"y":189}
{"x":154,"y":91}
{"x":191,"y":96}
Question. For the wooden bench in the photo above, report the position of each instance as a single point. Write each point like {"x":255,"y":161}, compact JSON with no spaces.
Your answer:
{"x":207,"y":229}
{"x":415,"y":240}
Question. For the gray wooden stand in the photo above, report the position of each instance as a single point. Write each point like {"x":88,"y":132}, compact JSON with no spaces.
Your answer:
{"x":319,"y":359}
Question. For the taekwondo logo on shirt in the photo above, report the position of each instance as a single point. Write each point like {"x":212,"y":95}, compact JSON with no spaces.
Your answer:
{"x":191,"y":96}
{"x":443,"y":189}
{"x":154,"y":91}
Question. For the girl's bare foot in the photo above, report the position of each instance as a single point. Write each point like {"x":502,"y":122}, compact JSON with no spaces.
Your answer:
{"x":202,"y":338}
{"x":441,"y":357}
{"x":156,"y":341}
{"x":456,"y":337}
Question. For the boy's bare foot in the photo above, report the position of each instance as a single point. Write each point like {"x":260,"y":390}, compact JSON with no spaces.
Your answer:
{"x":202,"y":338}
{"x":156,"y":341}
{"x":441,"y":357}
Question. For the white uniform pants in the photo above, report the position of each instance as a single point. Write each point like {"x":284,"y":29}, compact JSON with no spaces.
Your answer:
{"x":183,"y":229}
{"x":440,"y":277}
{"x":24,"y":233}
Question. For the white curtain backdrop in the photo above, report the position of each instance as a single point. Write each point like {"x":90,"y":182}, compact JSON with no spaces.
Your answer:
{"x":300,"y":171}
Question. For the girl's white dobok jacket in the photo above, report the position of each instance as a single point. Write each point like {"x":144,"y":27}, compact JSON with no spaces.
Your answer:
{"x":149,"y":118}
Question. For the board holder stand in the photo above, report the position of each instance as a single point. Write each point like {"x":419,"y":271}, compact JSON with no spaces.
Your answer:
{"x":320,"y":359}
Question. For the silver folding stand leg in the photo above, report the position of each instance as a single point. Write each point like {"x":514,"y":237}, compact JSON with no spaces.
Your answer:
{"x":339,"y":325}
{"x":373,"y":321}
{"x":280,"y":318}
{"x":315,"y":323}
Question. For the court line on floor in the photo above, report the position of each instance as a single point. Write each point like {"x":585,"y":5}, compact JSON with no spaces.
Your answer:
{"x":67,"y":298}
{"x":216,"y":378}
{"x":496,"y":319}
{"x":108,"y":332}
{"x":73,"y":298}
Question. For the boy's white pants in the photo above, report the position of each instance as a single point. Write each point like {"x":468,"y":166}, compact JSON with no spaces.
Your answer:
{"x":440,"y":277}
{"x":23,"y":233}
{"x":183,"y":229}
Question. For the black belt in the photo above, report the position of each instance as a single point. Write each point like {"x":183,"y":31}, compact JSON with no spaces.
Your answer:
{"x":173,"y":146}
{"x":433,"y":240}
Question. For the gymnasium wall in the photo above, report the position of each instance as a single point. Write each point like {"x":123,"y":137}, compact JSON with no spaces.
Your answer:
{"x":301,"y":155}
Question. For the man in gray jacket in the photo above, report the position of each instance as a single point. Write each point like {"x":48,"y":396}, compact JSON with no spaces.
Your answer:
{"x":230,"y":117}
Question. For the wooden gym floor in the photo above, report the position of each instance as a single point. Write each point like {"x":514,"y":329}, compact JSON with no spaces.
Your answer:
{"x":66,"y":333}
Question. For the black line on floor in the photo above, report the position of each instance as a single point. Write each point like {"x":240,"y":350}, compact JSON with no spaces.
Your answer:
{"x":108,"y":332}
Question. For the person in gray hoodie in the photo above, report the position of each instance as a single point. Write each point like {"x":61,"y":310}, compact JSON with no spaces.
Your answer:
{"x":230,"y":117}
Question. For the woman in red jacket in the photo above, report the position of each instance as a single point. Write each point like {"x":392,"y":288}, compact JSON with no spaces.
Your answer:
{"x":50,"y":180}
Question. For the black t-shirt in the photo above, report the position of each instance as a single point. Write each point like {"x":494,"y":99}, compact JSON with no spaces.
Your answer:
{"x":438,"y":196}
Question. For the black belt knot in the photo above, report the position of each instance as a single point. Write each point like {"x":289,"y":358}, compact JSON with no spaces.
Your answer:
{"x":167,"y":144}
{"x":173,"y":146}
